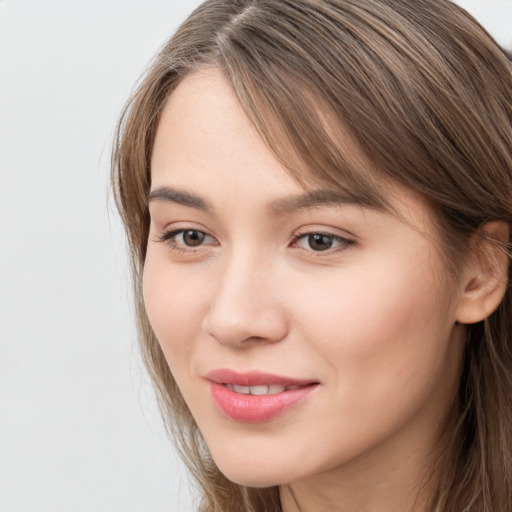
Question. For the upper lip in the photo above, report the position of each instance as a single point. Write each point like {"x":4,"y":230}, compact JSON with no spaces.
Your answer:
{"x":254,"y":378}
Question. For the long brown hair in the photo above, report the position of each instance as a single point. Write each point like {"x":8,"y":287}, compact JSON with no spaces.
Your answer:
{"x":427,"y":95}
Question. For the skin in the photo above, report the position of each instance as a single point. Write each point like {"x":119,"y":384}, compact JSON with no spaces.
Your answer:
{"x":373,"y":320}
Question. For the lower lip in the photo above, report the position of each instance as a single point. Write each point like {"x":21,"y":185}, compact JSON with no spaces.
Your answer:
{"x":256,"y":408}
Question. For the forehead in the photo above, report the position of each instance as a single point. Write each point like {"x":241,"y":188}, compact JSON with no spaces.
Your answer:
{"x":205,"y":139}
{"x":197,"y":127}
{"x":204,"y":112}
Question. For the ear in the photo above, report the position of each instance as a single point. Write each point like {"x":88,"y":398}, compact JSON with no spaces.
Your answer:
{"x":485,"y":278}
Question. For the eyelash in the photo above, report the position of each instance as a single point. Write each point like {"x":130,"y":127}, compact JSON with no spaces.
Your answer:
{"x":343,"y":242}
{"x":170,"y":238}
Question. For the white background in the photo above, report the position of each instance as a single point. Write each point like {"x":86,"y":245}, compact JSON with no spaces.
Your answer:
{"x":78,"y":426}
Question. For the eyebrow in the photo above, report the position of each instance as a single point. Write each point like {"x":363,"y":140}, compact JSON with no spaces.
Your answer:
{"x":182,"y":197}
{"x":279,"y":207}
{"x":315,"y":199}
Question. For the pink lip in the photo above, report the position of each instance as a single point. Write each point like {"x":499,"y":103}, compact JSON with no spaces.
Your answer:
{"x":255,"y":408}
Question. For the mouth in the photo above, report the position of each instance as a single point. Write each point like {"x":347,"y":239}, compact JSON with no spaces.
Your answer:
{"x":256,"y":397}
{"x":272,"y":389}
{"x":256,"y":381}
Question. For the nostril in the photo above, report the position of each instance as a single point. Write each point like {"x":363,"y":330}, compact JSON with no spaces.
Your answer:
{"x":247,"y":330}
{"x":242,"y":313}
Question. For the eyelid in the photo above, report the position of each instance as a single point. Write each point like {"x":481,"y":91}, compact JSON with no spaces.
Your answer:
{"x":344,"y":242}
{"x":169,"y":237}
{"x":340,"y":242}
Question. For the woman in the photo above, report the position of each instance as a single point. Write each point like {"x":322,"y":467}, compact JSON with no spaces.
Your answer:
{"x":317,"y":201}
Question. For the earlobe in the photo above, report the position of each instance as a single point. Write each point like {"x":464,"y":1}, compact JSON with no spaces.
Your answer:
{"x":486,"y":277}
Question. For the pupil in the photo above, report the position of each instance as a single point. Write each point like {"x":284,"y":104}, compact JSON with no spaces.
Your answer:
{"x":193,"y":238}
{"x":319,"y":242}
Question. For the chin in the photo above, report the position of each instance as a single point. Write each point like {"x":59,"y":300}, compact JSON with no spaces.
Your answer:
{"x":243,"y":470}
{"x":258,"y":478}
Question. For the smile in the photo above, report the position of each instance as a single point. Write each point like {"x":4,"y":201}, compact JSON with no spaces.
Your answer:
{"x":256,"y":397}
{"x":273,"y":389}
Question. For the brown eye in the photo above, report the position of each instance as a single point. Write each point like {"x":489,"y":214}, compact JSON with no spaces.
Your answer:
{"x":320,"y":241}
{"x":186,"y":238}
{"x":193,"y":238}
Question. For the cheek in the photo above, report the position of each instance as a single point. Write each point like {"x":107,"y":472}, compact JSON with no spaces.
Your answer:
{"x":382,"y":329}
{"x":172,"y":303}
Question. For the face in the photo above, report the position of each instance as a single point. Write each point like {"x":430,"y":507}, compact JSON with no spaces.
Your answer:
{"x":306,"y":333}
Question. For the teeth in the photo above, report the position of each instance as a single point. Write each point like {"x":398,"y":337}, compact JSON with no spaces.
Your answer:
{"x":259,"y":390}
{"x":243,"y":390}
{"x":273,"y":389}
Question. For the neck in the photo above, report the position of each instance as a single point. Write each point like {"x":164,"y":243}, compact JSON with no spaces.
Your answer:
{"x":394,"y":493}
{"x":390,"y":479}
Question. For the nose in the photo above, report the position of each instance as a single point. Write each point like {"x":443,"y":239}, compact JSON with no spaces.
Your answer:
{"x":247,"y":307}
